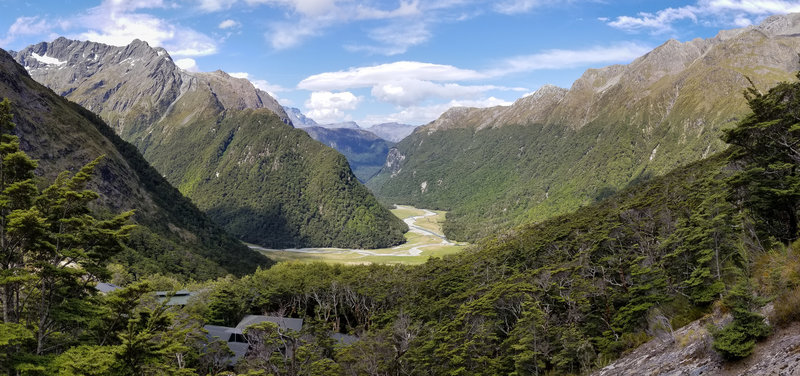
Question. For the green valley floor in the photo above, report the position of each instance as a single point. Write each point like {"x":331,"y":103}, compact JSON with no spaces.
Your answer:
{"x":424,"y":240}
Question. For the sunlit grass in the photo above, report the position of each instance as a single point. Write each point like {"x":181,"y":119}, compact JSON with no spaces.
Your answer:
{"x":416,"y":250}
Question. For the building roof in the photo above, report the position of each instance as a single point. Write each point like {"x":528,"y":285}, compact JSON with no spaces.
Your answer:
{"x":229,"y":336}
{"x":105,"y":287}
{"x":236,"y":342}
{"x":282,"y":322}
{"x":177,"y":298}
{"x":344,"y":339}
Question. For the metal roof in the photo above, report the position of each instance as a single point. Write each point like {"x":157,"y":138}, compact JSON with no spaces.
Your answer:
{"x":282,"y":322}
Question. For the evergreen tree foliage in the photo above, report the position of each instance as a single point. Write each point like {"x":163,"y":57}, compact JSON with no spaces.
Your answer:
{"x":768,"y":153}
{"x":737,"y":339}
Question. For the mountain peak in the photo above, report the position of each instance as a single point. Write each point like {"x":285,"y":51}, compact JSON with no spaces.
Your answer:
{"x":147,"y":81}
{"x":786,"y":24}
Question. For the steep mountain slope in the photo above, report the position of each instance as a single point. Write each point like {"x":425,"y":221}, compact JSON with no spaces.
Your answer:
{"x":223,"y":143}
{"x":174,"y":236}
{"x":365,"y":151}
{"x":392,"y":131}
{"x":559,"y":149}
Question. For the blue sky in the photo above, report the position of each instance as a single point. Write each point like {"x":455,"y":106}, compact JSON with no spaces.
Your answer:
{"x":381,"y":61}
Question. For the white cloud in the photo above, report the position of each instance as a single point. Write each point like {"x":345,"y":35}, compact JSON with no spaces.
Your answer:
{"x":228,"y":24}
{"x":392,"y":72}
{"x":426,"y":114}
{"x":215,"y":5}
{"x":328,"y":107}
{"x":272,"y":89}
{"x":304,"y":7}
{"x":187,"y":64}
{"x":285,"y":35}
{"x":396,"y":38}
{"x":411,"y":92}
{"x":409,"y":83}
{"x":722,"y":12}
{"x":131,"y":5}
{"x":561,"y":59}
{"x":759,"y":7}
{"x":26,"y":26}
{"x":517,"y":6}
{"x":117,"y":22}
{"x":406,"y":9}
{"x":304,"y":19}
{"x":659,"y":22}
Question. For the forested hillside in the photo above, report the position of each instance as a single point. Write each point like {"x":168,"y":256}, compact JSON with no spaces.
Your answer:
{"x":557,"y":150}
{"x":174,"y":237}
{"x":223,"y":143}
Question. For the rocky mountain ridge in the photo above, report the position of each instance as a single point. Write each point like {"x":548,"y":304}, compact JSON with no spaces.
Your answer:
{"x":672,"y":62}
{"x":134,"y":86}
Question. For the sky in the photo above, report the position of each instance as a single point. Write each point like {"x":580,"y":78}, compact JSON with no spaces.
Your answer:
{"x":382,"y":61}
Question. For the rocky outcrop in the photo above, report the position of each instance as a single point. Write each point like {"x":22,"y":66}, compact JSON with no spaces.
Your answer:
{"x":688,"y":351}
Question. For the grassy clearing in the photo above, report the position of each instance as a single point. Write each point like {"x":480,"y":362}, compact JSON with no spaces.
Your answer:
{"x":416,"y":250}
{"x":433,"y":223}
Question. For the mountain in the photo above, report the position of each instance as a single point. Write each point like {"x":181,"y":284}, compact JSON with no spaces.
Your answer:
{"x":392,"y":131}
{"x":299,"y":119}
{"x":556,"y":150}
{"x":174,"y":237}
{"x":223,"y":143}
{"x":365,"y":151}
{"x":343,"y":124}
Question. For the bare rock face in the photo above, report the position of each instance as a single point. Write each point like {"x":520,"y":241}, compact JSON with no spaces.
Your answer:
{"x":135,"y":86}
{"x":688,"y":352}
{"x":394,"y":161}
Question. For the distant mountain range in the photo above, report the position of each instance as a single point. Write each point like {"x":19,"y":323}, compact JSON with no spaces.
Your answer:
{"x":174,"y":237}
{"x":558,"y":149}
{"x":221,"y":142}
{"x":365,"y":149}
{"x":393,"y":132}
